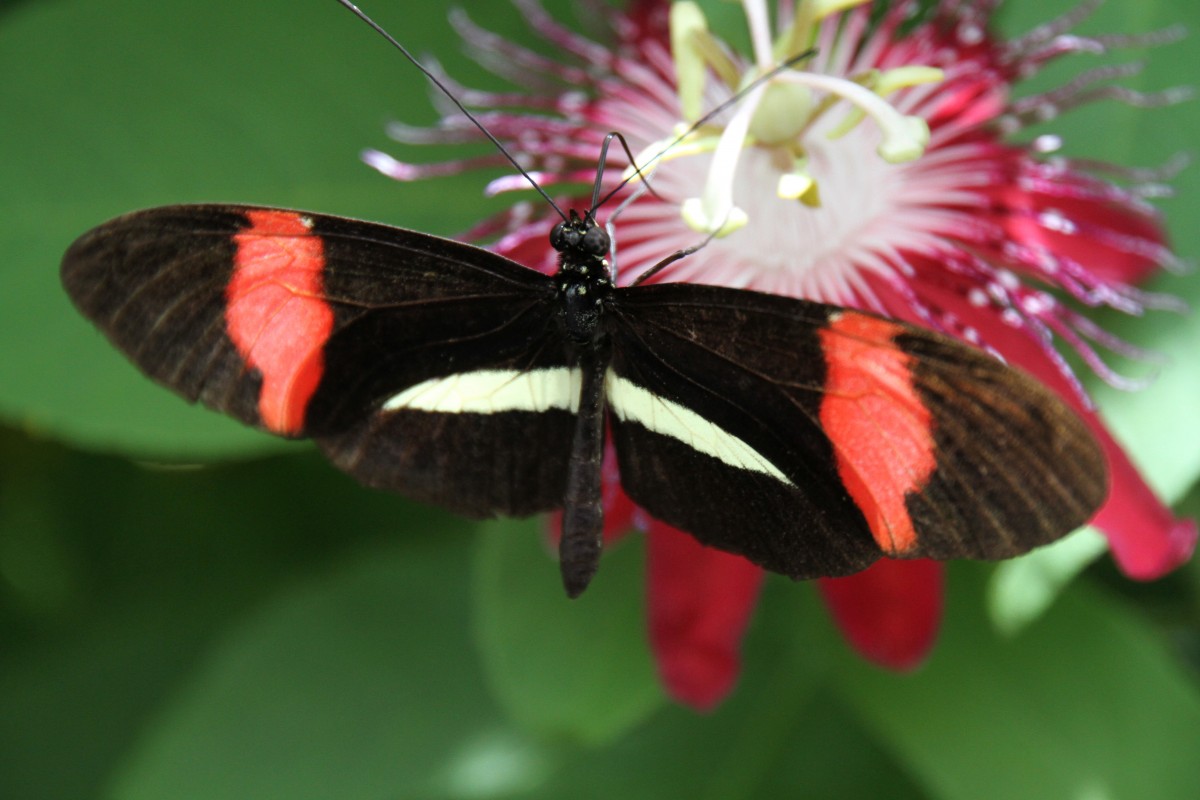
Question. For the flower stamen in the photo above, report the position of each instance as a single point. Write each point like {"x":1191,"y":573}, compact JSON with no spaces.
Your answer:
{"x":779,"y":114}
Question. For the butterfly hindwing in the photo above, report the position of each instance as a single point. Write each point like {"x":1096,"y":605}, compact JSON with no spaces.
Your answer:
{"x":836,"y":437}
{"x":484,"y":428}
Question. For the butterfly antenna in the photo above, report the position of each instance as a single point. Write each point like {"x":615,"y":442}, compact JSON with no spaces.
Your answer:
{"x":446,"y":91}
{"x":704,"y":120}
{"x":596,"y":201}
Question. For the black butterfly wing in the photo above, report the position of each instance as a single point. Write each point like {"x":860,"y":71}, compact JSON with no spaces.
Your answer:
{"x":310,"y":325}
{"x":813,"y":439}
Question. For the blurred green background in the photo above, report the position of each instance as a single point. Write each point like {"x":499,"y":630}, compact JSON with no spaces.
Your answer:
{"x":192,"y":610}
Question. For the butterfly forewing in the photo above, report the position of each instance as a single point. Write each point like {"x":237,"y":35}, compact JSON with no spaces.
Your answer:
{"x":306,"y":324}
{"x":836,"y":437}
{"x":1016,"y":468}
{"x":155,"y":283}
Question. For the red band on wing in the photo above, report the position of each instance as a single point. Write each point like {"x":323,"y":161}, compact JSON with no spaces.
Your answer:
{"x":276,"y":313}
{"x":881,"y":432}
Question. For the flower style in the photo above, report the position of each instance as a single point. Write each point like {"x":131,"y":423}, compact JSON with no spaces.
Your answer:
{"x":878,"y":171}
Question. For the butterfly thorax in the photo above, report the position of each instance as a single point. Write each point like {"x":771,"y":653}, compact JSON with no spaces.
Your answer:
{"x":584,"y":278}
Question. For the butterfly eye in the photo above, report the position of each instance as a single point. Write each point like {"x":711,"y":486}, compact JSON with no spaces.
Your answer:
{"x":558,"y":236}
{"x":595,"y":241}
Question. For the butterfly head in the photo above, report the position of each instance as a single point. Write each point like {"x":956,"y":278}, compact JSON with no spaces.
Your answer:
{"x":579,"y":240}
{"x":583,"y":273}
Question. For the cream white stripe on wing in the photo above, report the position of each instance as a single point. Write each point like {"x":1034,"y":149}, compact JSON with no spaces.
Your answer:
{"x":491,"y":391}
{"x":660,"y":415}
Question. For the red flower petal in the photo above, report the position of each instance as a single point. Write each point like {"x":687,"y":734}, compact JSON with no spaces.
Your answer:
{"x":889,"y":612}
{"x":1147,"y":540}
{"x":642,"y":20}
{"x":1115,"y":239}
{"x":1030,"y":215}
{"x":700,"y":601}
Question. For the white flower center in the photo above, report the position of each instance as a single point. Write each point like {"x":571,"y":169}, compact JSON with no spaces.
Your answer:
{"x":787,"y":246}
{"x":812,"y":185}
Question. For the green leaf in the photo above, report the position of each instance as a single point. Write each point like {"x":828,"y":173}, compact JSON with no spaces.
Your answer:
{"x":781,"y":733}
{"x":126,"y":104}
{"x":117,"y":583}
{"x":1084,"y":703}
{"x":351,"y":684}
{"x":151,"y":617}
{"x":1023,"y":589}
{"x":1154,"y":422}
{"x":576,"y":670}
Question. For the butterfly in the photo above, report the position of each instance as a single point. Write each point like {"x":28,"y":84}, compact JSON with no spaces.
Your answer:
{"x":810,"y":439}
